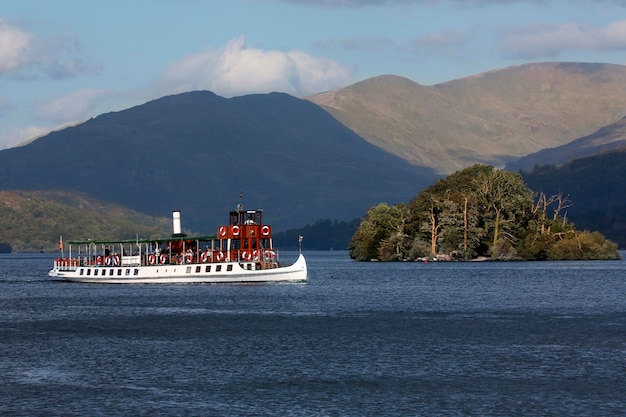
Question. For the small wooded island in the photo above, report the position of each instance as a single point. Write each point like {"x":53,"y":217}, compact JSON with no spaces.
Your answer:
{"x":477,"y":213}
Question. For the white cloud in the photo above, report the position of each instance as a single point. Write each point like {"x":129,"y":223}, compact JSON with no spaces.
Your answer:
{"x":75,"y":106}
{"x":14,"y":45}
{"x":549,"y":41}
{"x":229,"y":71}
{"x":237,"y":70}
{"x":25,"y":56}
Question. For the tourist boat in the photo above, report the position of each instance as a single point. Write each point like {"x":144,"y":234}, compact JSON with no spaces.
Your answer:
{"x":242,"y":251}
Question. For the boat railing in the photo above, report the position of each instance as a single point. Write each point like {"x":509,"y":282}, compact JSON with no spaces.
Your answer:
{"x":264,"y":256}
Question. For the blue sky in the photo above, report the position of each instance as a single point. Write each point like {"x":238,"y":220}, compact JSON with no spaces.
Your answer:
{"x":64,"y":61}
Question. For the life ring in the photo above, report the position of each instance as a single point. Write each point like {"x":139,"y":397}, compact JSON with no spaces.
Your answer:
{"x":220,"y":256}
{"x":265,"y":230}
{"x":245,"y":255}
{"x":107,"y":261}
{"x":255,"y":254}
{"x":222,"y":231}
{"x":269,"y":254}
{"x":204,"y":256}
{"x":162,"y":259}
{"x":152,"y":259}
{"x":116,"y":260}
{"x":189,"y":258}
{"x":235,"y":230}
{"x":99,"y":260}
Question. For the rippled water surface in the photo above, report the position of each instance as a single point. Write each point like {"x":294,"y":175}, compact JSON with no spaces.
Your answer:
{"x":359,"y":339}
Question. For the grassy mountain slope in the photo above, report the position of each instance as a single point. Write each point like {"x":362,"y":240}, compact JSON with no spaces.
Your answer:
{"x":196,"y":151}
{"x":34,"y":220}
{"x":607,"y":138}
{"x":494,"y":117}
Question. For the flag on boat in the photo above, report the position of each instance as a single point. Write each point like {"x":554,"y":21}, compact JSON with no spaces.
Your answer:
{"x":61,"y":243}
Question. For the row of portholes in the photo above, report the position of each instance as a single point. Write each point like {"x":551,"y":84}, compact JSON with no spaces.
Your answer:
{"x":111,"y":271}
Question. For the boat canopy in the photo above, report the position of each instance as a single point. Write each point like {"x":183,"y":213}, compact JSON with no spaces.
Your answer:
{"x":156,"y":240}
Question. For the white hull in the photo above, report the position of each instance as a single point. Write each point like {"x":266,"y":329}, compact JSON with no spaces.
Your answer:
{"x":223,"y":272}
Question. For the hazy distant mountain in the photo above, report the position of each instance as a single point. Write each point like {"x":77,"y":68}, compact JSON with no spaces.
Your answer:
{"x":607,"y":138}
{"x":196,"y":151}
{"x":494,"y":118}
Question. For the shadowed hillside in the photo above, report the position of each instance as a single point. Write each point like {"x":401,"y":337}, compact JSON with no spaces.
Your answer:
{"x":596,"y":187}
{"x":196,"y":151}
{"x":493,"y":118}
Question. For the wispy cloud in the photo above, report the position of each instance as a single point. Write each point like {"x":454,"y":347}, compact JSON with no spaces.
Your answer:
{"x":367,"y":3}
{"x":357,"y":43}
{"x":26,"y":56}
{"x":447,"y":43}
{"x":75,"y":106}
{"x":550,"y":40}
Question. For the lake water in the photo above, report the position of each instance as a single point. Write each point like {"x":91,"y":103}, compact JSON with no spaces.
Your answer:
{"x":359,"y":339}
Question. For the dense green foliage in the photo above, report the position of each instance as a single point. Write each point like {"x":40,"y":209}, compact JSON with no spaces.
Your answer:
{"x":324,"y":234}
{"x":32,"y":221}
{"x":477,"y":212}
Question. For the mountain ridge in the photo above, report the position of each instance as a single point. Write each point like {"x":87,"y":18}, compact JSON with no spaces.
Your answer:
{"x":196,"y":151}
{"x":495,"y":117}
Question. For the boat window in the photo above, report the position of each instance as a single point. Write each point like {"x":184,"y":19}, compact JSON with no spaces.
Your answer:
{"x":136,"y":272}
{"x":188,"y":270}
{"x":218,"y":268}
{"x":95,"y":272}
{"x":198,"y":268}
{"x":119,"y":272}
{"x":128,"y":272}
{"x":229,"y":267}
{"x":81,"y":271}
{"x":208,"y":268}
{"x":89,"y":272}
{"x":111,"y":271}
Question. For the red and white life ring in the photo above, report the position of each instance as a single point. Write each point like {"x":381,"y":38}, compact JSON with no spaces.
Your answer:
{"x":116,"y":260}
{"x":107,"y":261}
{"x":235,"y":230}
{"x":162,"y":259}
{"x":255,"y":254}
{"x":152,"y":259}
{"x":265,"y":230}
{"x":99,"y":260}
{"x":189,"y":258}
{"x":204,"y":257}
{"x":246,"y":256}
{"x":222,"y":231}
{"x":220,"y":256}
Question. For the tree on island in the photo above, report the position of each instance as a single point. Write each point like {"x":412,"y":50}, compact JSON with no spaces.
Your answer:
{"x":477,"y":212}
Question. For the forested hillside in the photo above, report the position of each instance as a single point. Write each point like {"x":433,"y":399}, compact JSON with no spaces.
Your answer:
{"x":31,"y":221}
